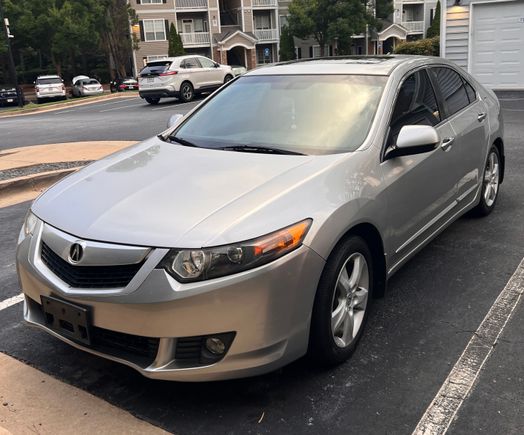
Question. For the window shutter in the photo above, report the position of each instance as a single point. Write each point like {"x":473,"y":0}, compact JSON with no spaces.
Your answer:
{"x":166,"y":22}
{"x":141,"y":25}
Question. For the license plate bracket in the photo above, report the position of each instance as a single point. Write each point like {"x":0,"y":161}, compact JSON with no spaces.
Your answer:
{"x":70,"y":320}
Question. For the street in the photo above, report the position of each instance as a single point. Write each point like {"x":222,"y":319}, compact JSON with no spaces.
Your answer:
{"x":415,"y":334}
{"x":121,"y":119}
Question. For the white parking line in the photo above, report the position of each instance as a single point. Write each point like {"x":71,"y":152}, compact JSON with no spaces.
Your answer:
{"x":11,"y":301}
{"x":118,"y":108}
{"x":453,"y":392}
{"x":175,"y":106}
{"x":63,"y":111}
{"x":120,"y":100}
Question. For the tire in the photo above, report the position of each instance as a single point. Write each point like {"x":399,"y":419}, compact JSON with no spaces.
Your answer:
{"x":228,"y":78}
{"x":153,"y":101}
{"x":490,"y":184}
{"x":329,"y":346}
{"x":39,"y":101}
{"x":187,"y":92}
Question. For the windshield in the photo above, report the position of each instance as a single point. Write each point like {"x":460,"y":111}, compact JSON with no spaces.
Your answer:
{"x":155,"y":68}
{"x":309,"y":114}
{"x":90,"y":82}
{"x":50,"y":81}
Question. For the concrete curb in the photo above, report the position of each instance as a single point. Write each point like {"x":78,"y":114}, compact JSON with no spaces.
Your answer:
{"x":66,"y":105}
{"x":38,"y":181}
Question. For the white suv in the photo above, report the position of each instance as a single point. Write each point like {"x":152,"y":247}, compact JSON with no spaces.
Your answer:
{"x":181,"y":77}
{"x":49,"y":87}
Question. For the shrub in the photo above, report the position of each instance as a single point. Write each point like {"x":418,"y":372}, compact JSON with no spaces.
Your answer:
{"x":422,"y":47}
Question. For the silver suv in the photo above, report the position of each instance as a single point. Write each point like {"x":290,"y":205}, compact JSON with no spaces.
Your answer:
{"x":50,"y":86}
{"x":181,"y":77}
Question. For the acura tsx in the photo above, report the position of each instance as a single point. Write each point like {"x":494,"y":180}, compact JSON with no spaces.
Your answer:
{"x":259,"y":227}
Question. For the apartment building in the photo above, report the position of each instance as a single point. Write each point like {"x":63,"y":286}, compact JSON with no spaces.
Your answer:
{"x":234,"y":32}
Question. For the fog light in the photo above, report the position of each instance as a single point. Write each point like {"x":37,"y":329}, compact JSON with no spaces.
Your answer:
{"x":215,"y":345}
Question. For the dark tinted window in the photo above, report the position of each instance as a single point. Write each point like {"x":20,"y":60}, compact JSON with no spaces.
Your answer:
{"x":48,"y":81}
{"x":452,"y":88}
{"x":192,"y":62}
{"x":155,"y":68}
{"x":415,"y":105}
{"x":472,"y":95}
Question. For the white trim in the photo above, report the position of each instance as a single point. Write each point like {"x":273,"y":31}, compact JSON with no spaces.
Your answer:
{"x":443,"y":14}
{"x":154,"y":30}
{"x":243,"y":34}
{"x":247,"y":47}
{"x":11,"y":301}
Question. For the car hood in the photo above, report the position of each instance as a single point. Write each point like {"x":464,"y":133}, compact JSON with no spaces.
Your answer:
{"x":166,"y":195}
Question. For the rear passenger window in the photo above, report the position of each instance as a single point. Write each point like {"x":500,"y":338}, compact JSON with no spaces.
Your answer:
{"x":192,"y":63}
{"x":452,"y":88}
{"x":415,"y":105}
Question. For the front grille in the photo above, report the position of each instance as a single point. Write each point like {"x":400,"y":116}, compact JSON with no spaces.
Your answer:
{"x":141,"y":350}
{"x":88,"y":276}
{"x":189,"y":349}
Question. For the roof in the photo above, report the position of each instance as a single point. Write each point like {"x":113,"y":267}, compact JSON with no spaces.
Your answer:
{"x":51,"y":76}
{"x":369,"y":65}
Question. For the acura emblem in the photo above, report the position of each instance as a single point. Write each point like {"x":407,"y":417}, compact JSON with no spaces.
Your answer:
{"x":76,"y":253}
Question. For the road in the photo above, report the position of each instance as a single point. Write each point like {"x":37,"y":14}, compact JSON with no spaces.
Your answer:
{"x":414,"y":336}
{"x":122,"y":119}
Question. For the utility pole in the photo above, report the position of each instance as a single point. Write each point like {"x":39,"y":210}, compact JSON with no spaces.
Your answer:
{"x":12,"y":68}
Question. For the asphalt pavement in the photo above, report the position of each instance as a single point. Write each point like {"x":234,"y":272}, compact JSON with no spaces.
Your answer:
{"x":414,"y":336}
{"x":121,"y":119}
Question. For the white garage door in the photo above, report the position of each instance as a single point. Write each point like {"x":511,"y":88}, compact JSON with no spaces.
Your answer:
{"x":497,"y":44}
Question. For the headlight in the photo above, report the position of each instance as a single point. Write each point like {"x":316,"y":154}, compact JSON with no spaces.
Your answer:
{"x":190,"y":265}
{"x":29,"y":223}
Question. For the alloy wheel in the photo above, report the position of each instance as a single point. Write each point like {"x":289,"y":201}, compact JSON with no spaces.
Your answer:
{"x":350,"y":299}
{"x":187,"y":92}
{"x":491,"y":179}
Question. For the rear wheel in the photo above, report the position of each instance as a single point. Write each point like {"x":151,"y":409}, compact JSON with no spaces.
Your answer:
{"x":153,"y":101}
{"x":186,"y":92}
{"x":490,"y":184}
{"x":342,"y":302}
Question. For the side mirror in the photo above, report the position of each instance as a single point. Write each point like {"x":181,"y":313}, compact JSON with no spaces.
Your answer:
{"x":217,"y":65}
{"x":414,"y":139}
{"x":174,"y":119}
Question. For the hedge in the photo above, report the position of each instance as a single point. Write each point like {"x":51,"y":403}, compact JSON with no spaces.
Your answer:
{"x":423,"y":47}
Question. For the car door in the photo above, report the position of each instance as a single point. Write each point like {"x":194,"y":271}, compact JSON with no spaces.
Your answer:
{"x":421,"y":188}
{"x":468,"y":118}
{"x":194,"y":72}
{"x":214,"y":75}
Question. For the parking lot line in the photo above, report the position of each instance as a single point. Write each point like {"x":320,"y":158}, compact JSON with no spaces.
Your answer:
{"x":453,"y":392}
{"x":175,"y":106}
{"x":118,"y":108}
{"x":120,"y":100}
{"x":11,"y":301}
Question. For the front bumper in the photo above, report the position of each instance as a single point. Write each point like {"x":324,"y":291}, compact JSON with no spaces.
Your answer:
{"x":268,"y":309}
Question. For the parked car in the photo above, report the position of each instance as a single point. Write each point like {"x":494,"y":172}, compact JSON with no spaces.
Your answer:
{"x":238,"y":70}
{"x":181,"y":77}
{"x":49,"y":87}
{"x":124,"y":84}
{"x":8,"y":96}
{"x":260,"y":226}
{"x":86,"y":87}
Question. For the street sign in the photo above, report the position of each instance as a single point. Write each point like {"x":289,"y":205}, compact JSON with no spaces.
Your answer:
{"x":266,"y":52}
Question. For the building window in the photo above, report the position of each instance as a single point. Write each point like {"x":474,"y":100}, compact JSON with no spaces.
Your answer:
{"x":152,"y":2}
{"x":283,"y":21}
{"x":262,"y":22}
{"x":156,"y":57}
{"x":154,"y":30}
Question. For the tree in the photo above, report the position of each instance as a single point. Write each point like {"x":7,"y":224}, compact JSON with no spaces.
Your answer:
{"x":287,"y":45}
{"x":176,"y":47}
{"x":434,"y":29}
{"x":325,"y":20}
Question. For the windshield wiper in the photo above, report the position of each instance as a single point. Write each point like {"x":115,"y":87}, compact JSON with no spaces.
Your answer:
{"x":260,"y":149}
{"x":181,"y":141}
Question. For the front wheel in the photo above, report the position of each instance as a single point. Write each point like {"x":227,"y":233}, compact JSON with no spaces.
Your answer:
{"x":228,"y":78}
{"x":342,"y":302}
{"x":186,"y":92}
{"x":490,"y":184}
{"x":153,"y":101}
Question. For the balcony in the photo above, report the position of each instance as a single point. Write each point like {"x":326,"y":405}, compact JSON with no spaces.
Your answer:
{"x":197,"y":39}
{"x":266,"y":34}
{"x":264,"y":4}
{"x":411,"y":1}
{"x":190,"y":5}
{"x":414,"y":26}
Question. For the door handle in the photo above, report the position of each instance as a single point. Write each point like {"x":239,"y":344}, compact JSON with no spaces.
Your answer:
{"x":446,"y":143}
{"x":481,"y":117}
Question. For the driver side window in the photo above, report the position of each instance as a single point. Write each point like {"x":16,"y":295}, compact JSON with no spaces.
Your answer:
{"x":416,"y":104}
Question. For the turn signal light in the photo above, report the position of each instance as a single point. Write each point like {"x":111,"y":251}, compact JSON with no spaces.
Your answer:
{"x":169,"y":73}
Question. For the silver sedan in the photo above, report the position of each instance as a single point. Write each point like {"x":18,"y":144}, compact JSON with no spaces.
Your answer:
{"x":260,"y":226}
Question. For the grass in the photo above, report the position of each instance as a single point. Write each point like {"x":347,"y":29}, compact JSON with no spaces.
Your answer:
{"x":34,"y":107}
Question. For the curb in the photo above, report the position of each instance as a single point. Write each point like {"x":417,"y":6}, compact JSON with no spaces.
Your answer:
{"x":59,"y":106}
{"x":37,"y":181}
